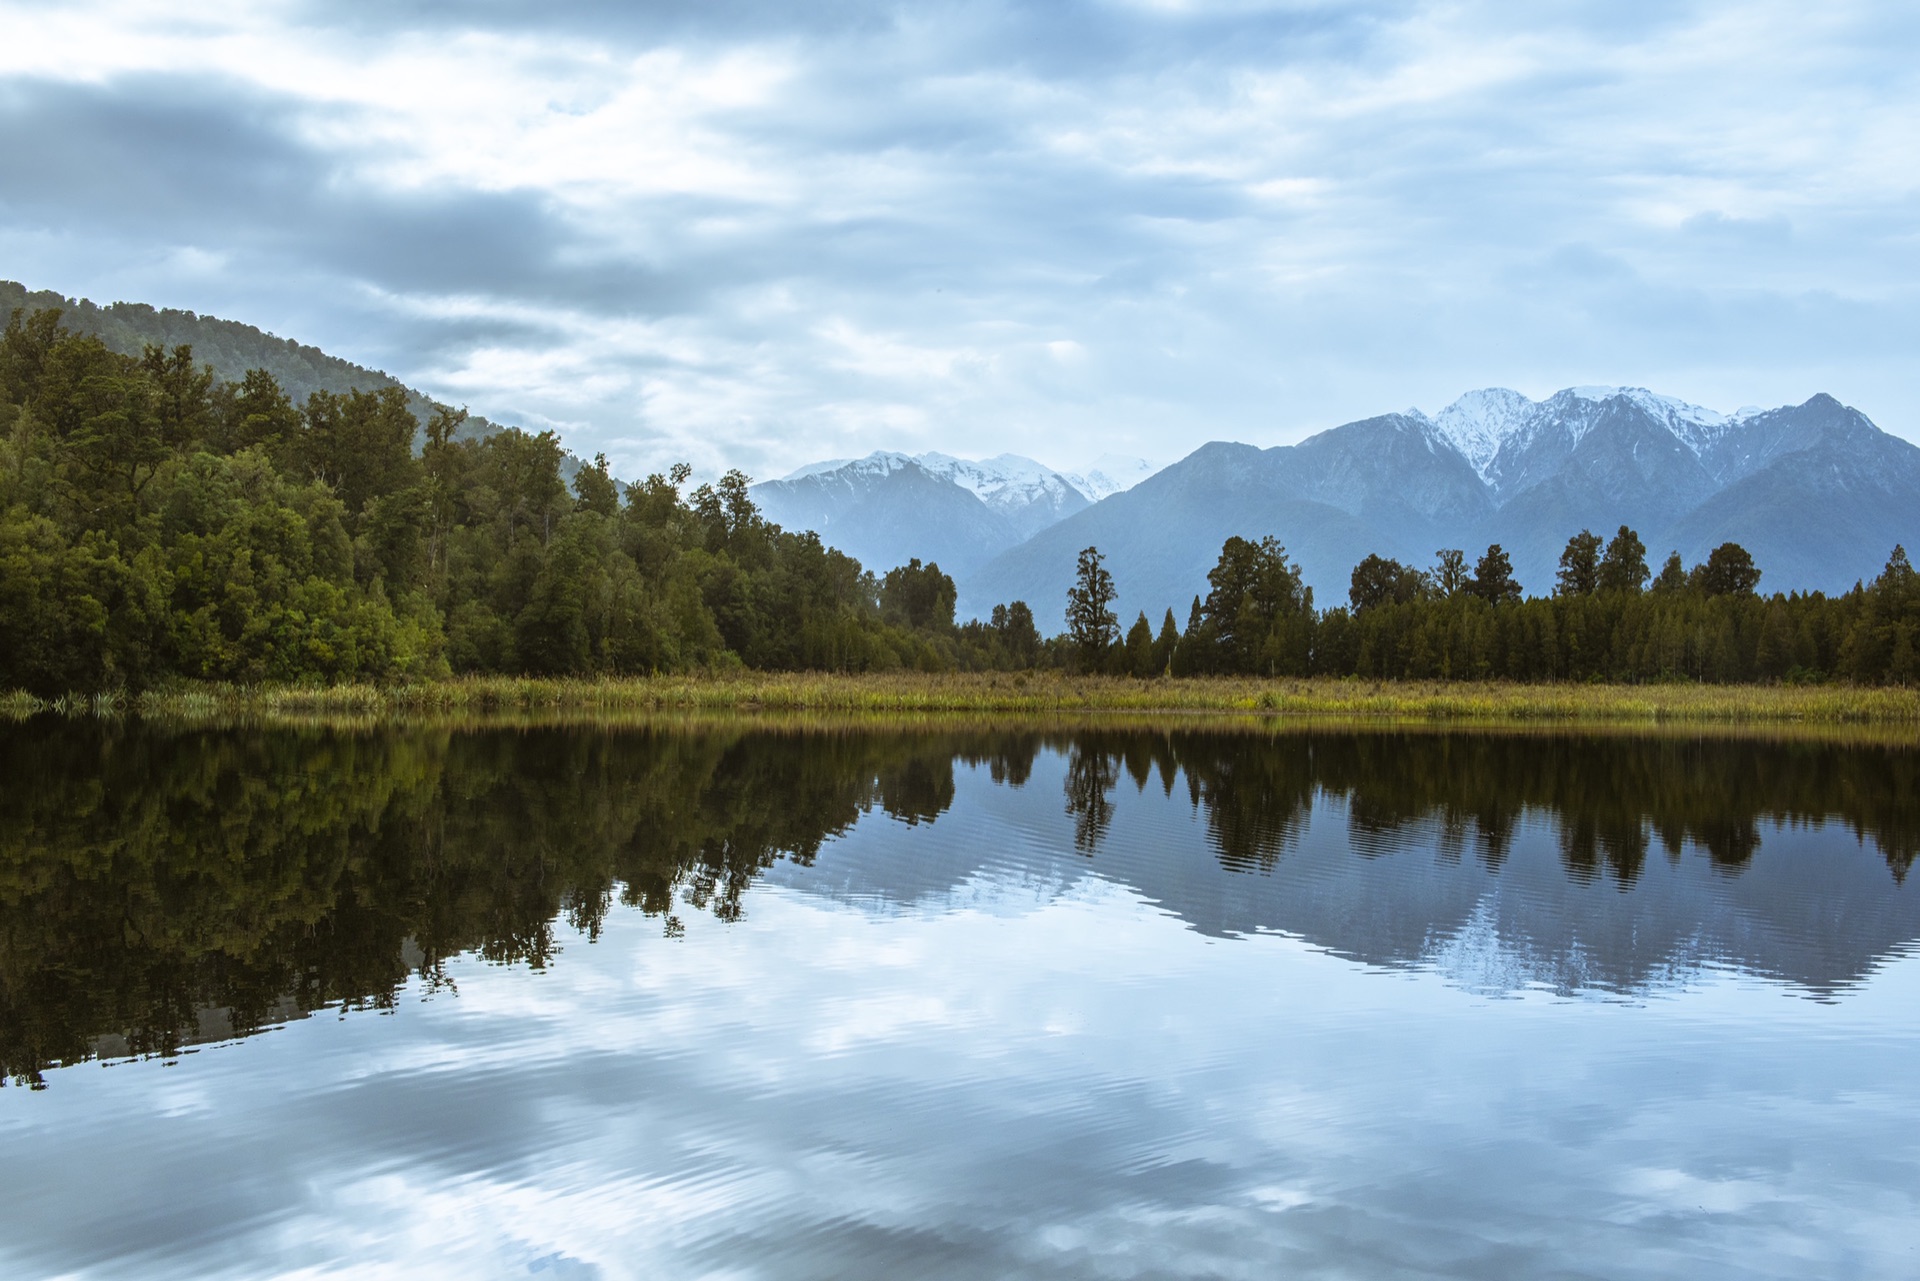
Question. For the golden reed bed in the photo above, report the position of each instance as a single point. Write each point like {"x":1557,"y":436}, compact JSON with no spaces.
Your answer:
{"x":1019,"y":694}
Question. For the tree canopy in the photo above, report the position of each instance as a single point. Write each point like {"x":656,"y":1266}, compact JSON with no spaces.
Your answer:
{"x":158,"y":524}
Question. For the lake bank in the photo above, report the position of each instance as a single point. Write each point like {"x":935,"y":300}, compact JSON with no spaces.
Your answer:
{"x":1021,"y":694}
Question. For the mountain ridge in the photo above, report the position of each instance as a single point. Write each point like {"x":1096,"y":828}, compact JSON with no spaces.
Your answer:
{"x":889,"y":507}
{"x":1816,"y":491}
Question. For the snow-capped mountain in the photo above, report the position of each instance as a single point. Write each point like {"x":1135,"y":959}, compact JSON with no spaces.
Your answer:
{"x":1815,"y":491}
{"x":889,"y":506}
{"x":1111,"y":474}
{"x":1493,"y":425}
{"x":1031,"y":495}
{"x":1480,"y":422}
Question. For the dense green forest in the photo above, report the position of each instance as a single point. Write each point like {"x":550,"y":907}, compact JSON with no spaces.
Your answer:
{"x":159,"y":885}
{"x":159,"y":524}
{"x":1608,"y":619}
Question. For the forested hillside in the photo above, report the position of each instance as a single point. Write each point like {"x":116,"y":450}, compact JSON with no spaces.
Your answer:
{"x":157,"y":524}
{"x":228,"y":346}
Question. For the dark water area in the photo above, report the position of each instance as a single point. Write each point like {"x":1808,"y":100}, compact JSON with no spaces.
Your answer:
{"x":723,"y":1000}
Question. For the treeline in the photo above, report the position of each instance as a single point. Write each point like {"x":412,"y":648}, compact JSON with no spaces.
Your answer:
{"x":1609,"y":619}
{"x":158,"y":525}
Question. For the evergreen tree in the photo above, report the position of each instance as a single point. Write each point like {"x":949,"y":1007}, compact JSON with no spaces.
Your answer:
{"x":918,"y":597}
{"x":1728,"y":571}
{"x":1673,"y":576}
{"x":1258,"y":613}
{"x":1624,"y":567}
{"x":1580,"y":565}
{"x":1380,"y":581}
{"x":1194,"y":655}
{"x":1493,"y":580}
{"x":1019,"y":636}
{"x":1139,"y":650}
{"x":1165,"y":643}
{"x":1091,"y":626}
{"x":1450,"y":571}
{"x":595,"y":488}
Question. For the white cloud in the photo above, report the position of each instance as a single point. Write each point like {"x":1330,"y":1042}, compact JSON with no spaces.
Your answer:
{"x":755,"y":239}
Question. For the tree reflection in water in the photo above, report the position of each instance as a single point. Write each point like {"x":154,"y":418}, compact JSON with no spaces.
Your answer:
{"x":149,"y":877}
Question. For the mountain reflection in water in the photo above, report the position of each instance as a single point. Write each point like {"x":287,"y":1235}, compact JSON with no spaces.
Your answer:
{"x":161,"y":887}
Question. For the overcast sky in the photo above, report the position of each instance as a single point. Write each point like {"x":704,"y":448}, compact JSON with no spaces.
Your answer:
{"x":754,"y":233}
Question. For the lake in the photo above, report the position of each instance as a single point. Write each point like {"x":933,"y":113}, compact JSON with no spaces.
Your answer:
{"x":737,"y":999}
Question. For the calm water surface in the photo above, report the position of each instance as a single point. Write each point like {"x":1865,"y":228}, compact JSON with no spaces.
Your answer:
{"x":726,"y":1002}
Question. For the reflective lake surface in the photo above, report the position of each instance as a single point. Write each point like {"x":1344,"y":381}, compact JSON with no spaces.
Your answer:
{"x":718,"y":1001}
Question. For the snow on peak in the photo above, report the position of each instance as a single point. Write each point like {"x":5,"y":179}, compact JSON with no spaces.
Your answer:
{"x":815,"y":469}
{"x":1005,"y":481}
{"x":1110,"y":474}
{"x":1008,"y":483}
{"x":1481,"y":421}
{"x":880,"y":462}
{"x":1696,"y":427}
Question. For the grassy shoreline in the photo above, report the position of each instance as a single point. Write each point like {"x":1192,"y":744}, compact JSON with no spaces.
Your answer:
{"x":1014,"y":694}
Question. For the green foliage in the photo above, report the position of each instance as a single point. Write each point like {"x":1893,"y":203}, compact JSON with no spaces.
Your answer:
{"x":918,"y":597}
{"x":1165,"y":644}
{"x":1257,"y":618}
{"x":1702,"y":625}
{"x":157,"y":525}
{"x":1729,"y":571}
{"x":1673,"y":576}
{"x":1580,"y":565}
{"x":1450,"y":576}
{"x":1379,"y":581}
{"x":1091,"y":625}
{"x":1624,"y":567}
{"x":1493,"y":580}
{"x":160,"y":526}
{"x":1139,"y":650}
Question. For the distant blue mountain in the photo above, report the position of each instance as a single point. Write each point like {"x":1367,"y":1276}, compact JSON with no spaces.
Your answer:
{"x":886,"y":508}
{"x":1816,"y":492}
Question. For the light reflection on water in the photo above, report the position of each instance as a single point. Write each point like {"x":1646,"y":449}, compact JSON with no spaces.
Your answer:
{"x":1246,"y":1010}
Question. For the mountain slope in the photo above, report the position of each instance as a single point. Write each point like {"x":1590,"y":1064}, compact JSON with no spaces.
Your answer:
{"x":229,"y":346}
{"x":1601,"y":466}
{"x":1330,"y":501}
{"x":886,"y":509}
{"x":1030,"y":495}
{"x":1817,"y":492}
{"x":1831,"y":494}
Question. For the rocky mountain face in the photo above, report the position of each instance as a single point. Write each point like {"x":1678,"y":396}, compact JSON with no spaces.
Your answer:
{"x":1816,"y":491}
{"x":888,"y":507}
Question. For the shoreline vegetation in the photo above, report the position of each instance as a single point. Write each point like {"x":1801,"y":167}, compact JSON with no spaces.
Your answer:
{"x":1016,"y":695}
{"x":173,"y":545}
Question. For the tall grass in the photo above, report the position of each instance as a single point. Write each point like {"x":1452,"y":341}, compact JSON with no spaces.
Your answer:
{"x":1011,"y":694}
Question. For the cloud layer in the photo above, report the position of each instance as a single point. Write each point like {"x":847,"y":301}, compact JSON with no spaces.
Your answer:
{"x":757,"y":234}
